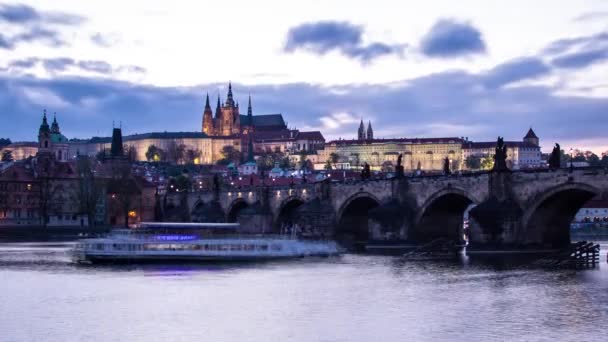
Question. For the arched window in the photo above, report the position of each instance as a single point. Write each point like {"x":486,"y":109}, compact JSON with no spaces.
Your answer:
{"x":58,"y":155}
{"x":46,"y":144}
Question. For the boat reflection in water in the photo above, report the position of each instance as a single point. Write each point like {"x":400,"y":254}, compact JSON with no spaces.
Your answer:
{"x":163,"y":242}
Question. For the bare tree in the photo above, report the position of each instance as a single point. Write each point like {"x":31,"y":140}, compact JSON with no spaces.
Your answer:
{"x":90,"y":189}
{"x":192,"y":155}
{"x":123,"y":190}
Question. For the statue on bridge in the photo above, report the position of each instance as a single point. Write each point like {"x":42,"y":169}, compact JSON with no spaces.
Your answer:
{"x":216,"y":186}
{"x":555,"y":159}
{"x":366,"y":173}
{"x":399,"y":170}
{"x":500,"y":156}
{"x":446,"y":166}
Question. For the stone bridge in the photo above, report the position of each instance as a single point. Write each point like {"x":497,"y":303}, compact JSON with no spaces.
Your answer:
{"x":503,"y":208}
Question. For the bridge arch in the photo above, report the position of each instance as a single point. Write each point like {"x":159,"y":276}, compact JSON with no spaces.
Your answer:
{"x":548,"y":216}
{"x":442,"y":215}
{"x":234,"y":208}
{"x":353,"y":216}
{"x":286,"y":213}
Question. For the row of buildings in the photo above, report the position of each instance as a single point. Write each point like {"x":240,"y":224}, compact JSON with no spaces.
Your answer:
{"x":426,"y":154}
{"x":269,"y":133}
{"x":53,"y":189}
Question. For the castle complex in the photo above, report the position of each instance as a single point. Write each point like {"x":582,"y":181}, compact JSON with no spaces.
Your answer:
{"x":226,"y":126}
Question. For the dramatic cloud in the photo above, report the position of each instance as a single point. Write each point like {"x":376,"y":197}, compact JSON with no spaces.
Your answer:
{"x":578,"y":52}
{"x":516,"y":70}
{"x":449,"y":38}
{"x":566,"y":45}
{"x":57,"y":64}
{"x":326,"y":36}
{"x":96,"y":66}
{"x":104,"y":40}
{"x":62,"y":64}
{"x":455,"y":103}
{"x":34,"y":26}
{"x":581,"y":59}
{"x":23,"y":14}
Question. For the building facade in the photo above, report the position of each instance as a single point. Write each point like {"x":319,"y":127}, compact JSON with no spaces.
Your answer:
{"x":525,"y":154}
{"x":425,"y":154}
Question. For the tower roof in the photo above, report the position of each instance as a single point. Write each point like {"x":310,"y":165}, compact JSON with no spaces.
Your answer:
{"x":530,"y":134}
{"x":44,"y":127}
{"x":116,"y":149}
{"x":218,"y":108}
{"x":207,"y":106}
{"x":54,"y":125}
{"x":229,"y":99}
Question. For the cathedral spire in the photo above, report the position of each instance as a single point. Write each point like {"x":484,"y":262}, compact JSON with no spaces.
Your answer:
{"x":218,"y":109}
{"x":230,"y":100}
{"x":370,"y":132}
{"x":207,"y":118}
{"x":361,"y":132}
{"x":249,"y":110}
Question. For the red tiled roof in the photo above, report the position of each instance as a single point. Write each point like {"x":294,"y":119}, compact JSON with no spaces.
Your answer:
{"x":17,"y":172}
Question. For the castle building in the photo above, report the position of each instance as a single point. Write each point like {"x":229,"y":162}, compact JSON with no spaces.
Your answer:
{"x":525,"y":154}
{"x":229,"y":122}
{"x":225,"y":126}
{"x":425,"y":154}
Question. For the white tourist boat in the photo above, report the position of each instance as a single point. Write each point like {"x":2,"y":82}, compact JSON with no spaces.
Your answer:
{"x":162,"y":242}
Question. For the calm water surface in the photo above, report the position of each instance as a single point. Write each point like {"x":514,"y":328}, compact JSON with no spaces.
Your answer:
{"x":43,"y":297}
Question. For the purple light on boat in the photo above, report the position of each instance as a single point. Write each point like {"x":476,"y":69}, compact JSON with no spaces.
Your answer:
{"x":175,"y":237}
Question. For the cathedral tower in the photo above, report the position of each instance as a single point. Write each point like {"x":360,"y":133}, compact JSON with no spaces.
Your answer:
{"x":361,"y":133}
{"x":230,"y":123}
{"x":370,"y":132}
{"x":208,"y":118}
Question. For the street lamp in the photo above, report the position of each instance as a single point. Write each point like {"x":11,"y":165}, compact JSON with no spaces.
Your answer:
{"x":571,"y":160}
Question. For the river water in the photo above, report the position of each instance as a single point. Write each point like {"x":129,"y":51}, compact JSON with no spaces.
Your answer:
{"x":43,"y":297}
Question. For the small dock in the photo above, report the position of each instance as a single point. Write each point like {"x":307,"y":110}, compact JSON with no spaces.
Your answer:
{"x":578,"y":255}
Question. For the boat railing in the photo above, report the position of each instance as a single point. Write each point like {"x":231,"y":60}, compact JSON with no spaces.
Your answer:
{"x":168,"y":237}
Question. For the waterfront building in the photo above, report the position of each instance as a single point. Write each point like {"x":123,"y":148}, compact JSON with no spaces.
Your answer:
{"x":523,"y":154}
{"x":42,"y":190}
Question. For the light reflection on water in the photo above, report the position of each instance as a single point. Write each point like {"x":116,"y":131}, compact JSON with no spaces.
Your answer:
{"x":44,"y":297}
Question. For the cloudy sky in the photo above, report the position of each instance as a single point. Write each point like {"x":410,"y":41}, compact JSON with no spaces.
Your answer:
{"x":472,"y":68}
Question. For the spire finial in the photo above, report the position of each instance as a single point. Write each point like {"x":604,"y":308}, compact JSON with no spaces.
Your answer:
{"x":249,"y":109}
